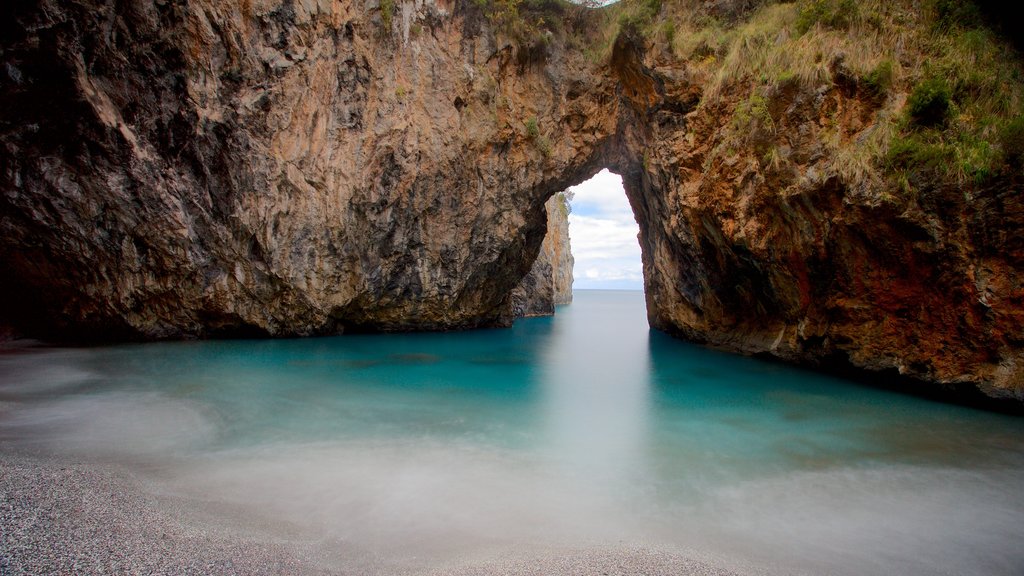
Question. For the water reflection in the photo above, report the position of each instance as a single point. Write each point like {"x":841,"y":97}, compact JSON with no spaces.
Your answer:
{"x":596,"y":403}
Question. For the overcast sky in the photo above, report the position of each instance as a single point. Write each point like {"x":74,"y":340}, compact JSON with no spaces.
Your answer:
{"x":602,"y":232}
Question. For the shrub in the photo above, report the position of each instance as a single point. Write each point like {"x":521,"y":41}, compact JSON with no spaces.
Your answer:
{"x":532,"y":130}
{"x":529,"y":24}
{"x":563,"y":204}
{"x":639,"y":14}
{"x":809,"y":15}
{"x":750,"y":111}
{"x":929,"y":103}
{"x":977,"y":161}
{"x":879,"y":80}
{"x":835,"y":14}
{"x":564,"y":199}
{"x":956,"y":13}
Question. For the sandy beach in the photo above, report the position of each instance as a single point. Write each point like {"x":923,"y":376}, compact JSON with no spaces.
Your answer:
{"x":93,"y":518}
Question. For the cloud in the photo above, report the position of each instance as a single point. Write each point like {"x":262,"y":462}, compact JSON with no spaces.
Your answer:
{"x":602,"y":196}
{"x":603,"y":234}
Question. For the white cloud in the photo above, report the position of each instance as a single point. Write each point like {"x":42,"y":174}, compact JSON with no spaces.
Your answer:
{"x":602,"y":196}
{"x":603,"y":233}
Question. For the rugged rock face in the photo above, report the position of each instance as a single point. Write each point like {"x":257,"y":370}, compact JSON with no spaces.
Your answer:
{"x":193,"y":169}
{"x":302,"y":167}
{"x":549,"y":282}
{"x":760,"y":239}
{"x":558,"y":249}
{"x":800,"y":265}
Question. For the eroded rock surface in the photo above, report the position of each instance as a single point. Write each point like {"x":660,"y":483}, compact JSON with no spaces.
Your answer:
{"x":557,"y":248}
{"x":549,"y":282}
{"x":190,"y":169}
{"x":200,"y":168}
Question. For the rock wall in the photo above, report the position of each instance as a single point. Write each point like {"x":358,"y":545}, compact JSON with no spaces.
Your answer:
{"x":558,"y":246}
{"x":549,"y":282}
{"x":799,"y":264}
{"x":181,"y":169}
{"x":201,"y":168}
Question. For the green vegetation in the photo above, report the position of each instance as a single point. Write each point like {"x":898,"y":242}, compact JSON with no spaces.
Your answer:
{"x":940,"y":94}
{"x":956,"y":13}
{"x":387,"y":14}
{"x":931,"y":155}
{"x":532,"y":131}
{"x":929,"y":103}
{"x":544,"y":146}
{"x":880,"y":79}
{"x":751,"y":114}
{"x":945,"y":90}
{"x":835,"y":14}
{"x":533,"y":24}
{"x":639,"y":14}
{"x":533,"y":134}
{"x":668,"y":31}
{"x":645,"y":17}
{"x":920,"y":154}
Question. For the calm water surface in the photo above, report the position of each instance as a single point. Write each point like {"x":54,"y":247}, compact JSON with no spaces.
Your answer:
{"x":582,"y":429}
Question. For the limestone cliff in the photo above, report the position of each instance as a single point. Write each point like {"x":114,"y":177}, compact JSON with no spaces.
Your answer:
{"x":822,"y":181}
{"x":558,"y":248}
{"x":198,"y":168}
{"x":812,"y":208}
{"x":549,"y":282}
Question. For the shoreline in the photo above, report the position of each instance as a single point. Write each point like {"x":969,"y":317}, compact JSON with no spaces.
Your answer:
{"x":63,"y":517}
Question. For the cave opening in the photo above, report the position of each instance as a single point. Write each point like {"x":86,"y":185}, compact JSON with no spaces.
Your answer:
{"x":603,"y":233}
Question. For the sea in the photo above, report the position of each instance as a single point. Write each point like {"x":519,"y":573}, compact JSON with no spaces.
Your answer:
{"x":578,"y":430}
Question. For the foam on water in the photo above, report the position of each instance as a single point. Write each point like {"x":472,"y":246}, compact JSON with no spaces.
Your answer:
{"x":581,"y":429}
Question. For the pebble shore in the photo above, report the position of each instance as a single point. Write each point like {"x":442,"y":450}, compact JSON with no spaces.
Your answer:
{"x":75,"y":518}
{"x":85,"y":519}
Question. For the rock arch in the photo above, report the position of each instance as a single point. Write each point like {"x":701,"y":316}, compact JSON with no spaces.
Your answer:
{"x":294,"y":168}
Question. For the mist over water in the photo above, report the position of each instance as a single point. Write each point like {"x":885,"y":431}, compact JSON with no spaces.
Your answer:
{"x":582,"y":429}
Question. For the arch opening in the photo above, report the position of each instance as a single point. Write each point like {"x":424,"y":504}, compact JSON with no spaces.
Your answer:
{"x":604,"y":235}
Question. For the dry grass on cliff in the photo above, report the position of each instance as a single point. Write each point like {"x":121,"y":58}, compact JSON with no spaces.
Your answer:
{"x":890,"y":47}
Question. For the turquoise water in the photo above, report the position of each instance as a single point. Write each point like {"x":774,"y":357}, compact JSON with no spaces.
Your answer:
{"x":582,"y":429}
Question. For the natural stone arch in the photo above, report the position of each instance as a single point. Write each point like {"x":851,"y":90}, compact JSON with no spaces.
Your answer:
{"x":300,"y":169}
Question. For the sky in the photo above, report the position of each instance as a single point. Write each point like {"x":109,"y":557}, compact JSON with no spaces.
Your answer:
{"x":602,"y":233}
